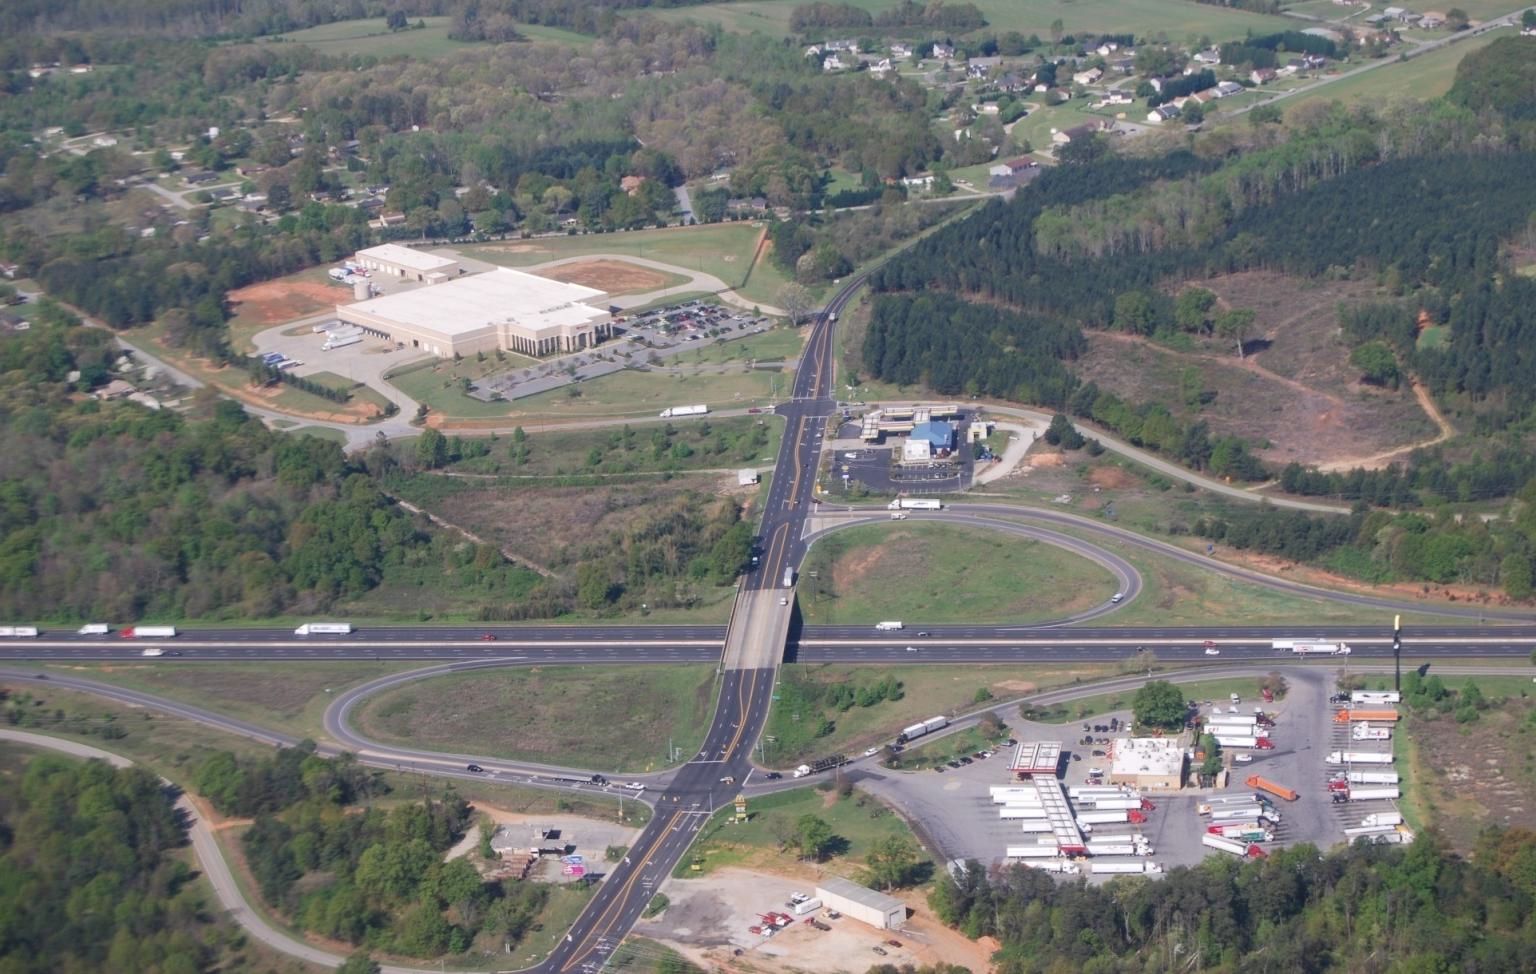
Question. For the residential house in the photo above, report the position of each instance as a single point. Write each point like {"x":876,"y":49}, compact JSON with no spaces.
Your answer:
{"x":80,"y":69}
{"x":1228,"y":88}
{"x":1157,"y":84}
{"x":1163,"y":113}
{"x":882,"y":67}
{"x":10,"y":322}
{"x":944,"y":52}
{"x":813,"y":51}
{"x":1107,"y":48}
{"x":1118,"y":96}
{"x":1393,"y":13}
{"x":199,"y":178}
{"x":1314,"y":62}
{"x":1432,"y":20}
{"x":846,"y":45}
{"x":1208,"y":57}
{"x":986,"y":108}
{"x":981,"y":67}
{"x":1204,"y":97}
{"x":1122,"y":65}
{"x":9,"y":269}
{"x":1261,"y":76}
{"x":1001,"y":169}
{"x":901,"y":51}
{"x":631,"y":184}
{"x":1076,"y":132}
{"x":104,"y":141}
{"x":918,"y":182}
{"x":1091,"y":76}
{"x":832,"y":63}
{"x":223,"y":194}
{"x":386,"y":220}
{"x":1011,"y":82}
{"x":1292,"y":66}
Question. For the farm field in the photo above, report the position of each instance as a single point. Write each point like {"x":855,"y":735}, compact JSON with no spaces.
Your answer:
{"x":933,"y":573}
{"x":1171,"y":18}
{"x":607,"y":718}
{"x":371,"y":37}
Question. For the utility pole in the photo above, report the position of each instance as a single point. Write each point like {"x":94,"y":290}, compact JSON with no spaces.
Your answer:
{"x":1397,"y":652}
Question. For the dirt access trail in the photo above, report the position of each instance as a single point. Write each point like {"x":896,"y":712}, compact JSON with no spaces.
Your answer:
{"x":1380,"y":460}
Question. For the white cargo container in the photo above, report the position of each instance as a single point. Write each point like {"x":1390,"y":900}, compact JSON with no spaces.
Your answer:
{"x":1355,"y":831}
{"x":1036,"y":826}
{"x":1365,"y":732}
{"x":1373,"y":794}
{"x":94,"y":629}
{"x":1012,"y":814}
{"x":1375,"y":696}
{"x":1065,"y":867}
{"x":1242,"y":813}
{"x":1111,"y":804}
{"x":334,"y":343}
{"x":1359,"y":757}
{"x":806,"y":906}
{"x":1383,"y":818}
{"x":323,"y":629}
{"x":1102,"y":818}
{"x":1097,"y":848}
{"x":1040,"y":851}
{"x":1225,"y":845}
{"x":18,"y":631}
{"x":1371,"y":777}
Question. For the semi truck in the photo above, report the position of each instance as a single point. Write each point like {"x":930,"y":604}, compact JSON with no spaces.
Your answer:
{"x":323,"y":629}
{"x":1383,"y":818}
{"x":1099,"y":848}
{"x":1320,"y":649}
{"x":1264,"y":784}
{"x":918,"y":730}
{"x":1375,"y":697}
{"x":1039,"y":851}
{"x":1102,"y":818}
{"x":1359,"y":757}
{"x":1242,"y":832}
{"x":672,"y":411}
{"x":1119,"y":867}
{"x":890,"y":625}
{"x":1371,"y":777}
{"x":914,"y":504}
{"x":1119,"y":804}
{"x":1065,"y":867}
{"x":1234,"y":741}
{"x":1244,"y":813}
{"x":334,"y":343}
{"x":1365,"y":732}
{"x":18,"y":631}
{"x":1244,"y":849}
{"x":820,"y":764}
{"x":1036,"y":826}
{"x":1375,"y":793}
{"x":94,"y":629}
{"x":148,"y":632}
{"x":1350,"y":716}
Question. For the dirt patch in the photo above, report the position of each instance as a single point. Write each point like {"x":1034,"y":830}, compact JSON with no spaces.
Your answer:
{"x":1295,"y":394}
{"x":1016,"y":686}
{"x":1047,"y":460}
{"x":708,"y":920}
{"x":1115,"y":478}
{"x":519,"y":248}
{"x":274,"y":302}
{"x":1478,"y":776}
{"x":613,"y":276}
{"x":1312,"y":575}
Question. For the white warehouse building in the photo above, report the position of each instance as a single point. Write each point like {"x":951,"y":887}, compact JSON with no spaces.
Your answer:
{"x":500,"y":309}
{"x":862,"y":903}
{"x":394,"y":260}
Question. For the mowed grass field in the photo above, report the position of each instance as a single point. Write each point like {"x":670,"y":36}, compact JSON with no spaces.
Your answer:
{"x":722,"y":249}
{"x":607,"y":718}
{"x":933,"y":573}
{"x":1175,"y":19}
{"x":1427,"y":76}
{"x":857,"y":823}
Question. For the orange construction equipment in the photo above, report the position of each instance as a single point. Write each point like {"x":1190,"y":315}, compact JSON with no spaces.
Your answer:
{"x":1279,"y":791}
{"x":1345,"y":716}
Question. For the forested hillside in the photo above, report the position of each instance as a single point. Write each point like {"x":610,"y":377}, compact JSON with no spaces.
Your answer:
{"x":89,"y":877}
{"x":1361,"y":908}
{"x":114,"y":511}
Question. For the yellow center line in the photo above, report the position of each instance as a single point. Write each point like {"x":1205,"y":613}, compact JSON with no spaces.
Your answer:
{"x":622,"y":896}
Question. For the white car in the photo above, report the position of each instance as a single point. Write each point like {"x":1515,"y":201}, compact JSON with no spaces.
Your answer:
{"x":1115,"y":599}
{"x":1212,"y":651}
{"x":635,"y":786}
{"x":1242,"y":758}
{"x":798,"y":898}
{"x":871,"y":752}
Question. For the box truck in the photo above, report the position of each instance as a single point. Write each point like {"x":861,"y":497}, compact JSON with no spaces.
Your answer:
{"x":94,"y":629}
{"x":1383,"y":818}
{"x":806,"y":906}
{"x":152,"y":651}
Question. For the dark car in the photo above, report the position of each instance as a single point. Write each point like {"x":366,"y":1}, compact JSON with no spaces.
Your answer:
{"x":489,"y":637}
{"x":773,"y":776}
{"x":475,"y":768}
{"x":894,"y":943}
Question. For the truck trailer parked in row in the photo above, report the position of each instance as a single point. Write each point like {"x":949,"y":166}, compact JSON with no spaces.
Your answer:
{"x":1264,"y":784}
{"x":918,"y":730}
{"x":1244,"y":849}
{"x":1375,"y":697}
{"x":1370,"y":777}
{"x":1365,"y":732}
{"x":1350,"y":716}
{"x":1382,"y":818}
{"x":1359,"y":757}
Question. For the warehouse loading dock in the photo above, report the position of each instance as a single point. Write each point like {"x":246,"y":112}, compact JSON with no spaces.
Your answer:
{"x":862,"y":903}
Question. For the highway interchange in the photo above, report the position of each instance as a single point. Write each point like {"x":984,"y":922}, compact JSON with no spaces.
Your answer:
{"x":684,"y":797}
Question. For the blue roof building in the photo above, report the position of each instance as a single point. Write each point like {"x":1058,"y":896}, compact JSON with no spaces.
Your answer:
{"x":939,"y":433}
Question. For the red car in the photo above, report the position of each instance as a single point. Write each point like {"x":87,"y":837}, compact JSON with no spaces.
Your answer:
{"x":489,"y":637}
{"x":754,"y":409}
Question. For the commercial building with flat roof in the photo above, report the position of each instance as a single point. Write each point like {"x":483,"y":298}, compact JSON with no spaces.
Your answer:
{"x":407,"y":264}
{"x":500,"y":309}
{"x":1148,"y":763}
{"x":862,"y":903}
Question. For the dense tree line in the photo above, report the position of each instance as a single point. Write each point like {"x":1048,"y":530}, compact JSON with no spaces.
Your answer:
{"x":90,"y":878}
{"x":113,"y":511}
{"x":365,"y":875}
{"x":1499,"y":77}
{"x":1363,"y":907}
